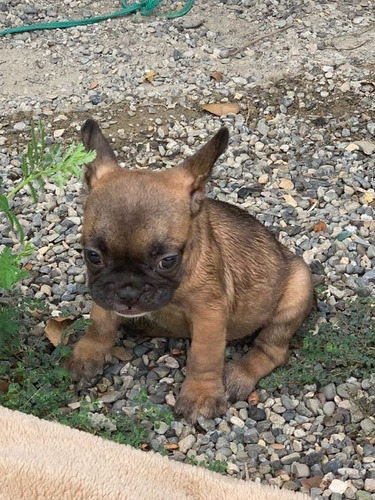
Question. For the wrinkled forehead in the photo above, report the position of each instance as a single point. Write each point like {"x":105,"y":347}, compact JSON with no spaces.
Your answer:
{"x":135,"y":220}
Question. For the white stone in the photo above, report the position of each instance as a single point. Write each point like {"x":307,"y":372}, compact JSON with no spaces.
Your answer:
{"x":370,"y":485}
{"x":352,"y":473}
{"x":232,"y":469}
{"x":161,"y":427}
{"x":352,"y":147}
{"x":171,"y":362}
{"x":300,"y":470}
{"x":368,"y":147}
{"x":338,"y":486}
{"x":237,"y":421}
{"x":186,"y":443}
{"x":263,"y":179}
{"x":58,"y":133}
{"x":170,"y":399}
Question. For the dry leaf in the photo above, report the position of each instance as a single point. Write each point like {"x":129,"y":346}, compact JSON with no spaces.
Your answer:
{"x":150,"y":76}
{"x":278,"y":446}
{"x":171,"y":446}
{"x":93,"y":85}
{"x":216,"y":76}
{"x":55,"y":327}
{"x":320,"y":226}
{"x":290,"y":200}
{"x":4,"y":386}
{"x":286,"y":184}
{"x":35,"y":313}
{"x":222,"y":108}
{"x":311,"y":482}
{"x":253,"y":398}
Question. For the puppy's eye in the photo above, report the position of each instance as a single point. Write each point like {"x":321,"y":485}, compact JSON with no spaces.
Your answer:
{"x":93,"y":257}
{"x":168,"y":262}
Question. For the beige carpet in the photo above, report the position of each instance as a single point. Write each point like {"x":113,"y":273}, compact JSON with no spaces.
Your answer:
{"x":41,"y":460}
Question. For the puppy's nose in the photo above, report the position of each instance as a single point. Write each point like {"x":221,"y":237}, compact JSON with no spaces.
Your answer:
{"x":128,"y":293}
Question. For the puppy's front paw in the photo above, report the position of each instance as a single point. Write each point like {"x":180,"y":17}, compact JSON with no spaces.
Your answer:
{"x":238,"y":381}
{"x":87,"y":361}
{"x":199,"y":398}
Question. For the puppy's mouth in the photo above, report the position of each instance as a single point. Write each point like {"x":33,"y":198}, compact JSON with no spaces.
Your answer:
{"x":128,"y":311}
{"x":127,"y":300}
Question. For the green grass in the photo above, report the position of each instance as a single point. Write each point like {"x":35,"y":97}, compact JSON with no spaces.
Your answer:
{"x":33,"y":380}
{"x":219,"y":466}
{"x":333,"y":350}
{"x":151,"y":412}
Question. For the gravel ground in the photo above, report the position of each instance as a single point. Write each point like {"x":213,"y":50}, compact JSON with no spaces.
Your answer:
{"x":301,"y":158}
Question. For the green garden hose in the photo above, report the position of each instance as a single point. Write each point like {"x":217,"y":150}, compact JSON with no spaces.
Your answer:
{"x":145,"y":8}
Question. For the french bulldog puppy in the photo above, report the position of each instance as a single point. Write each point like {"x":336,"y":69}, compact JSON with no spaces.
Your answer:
{"x":160,"y":252}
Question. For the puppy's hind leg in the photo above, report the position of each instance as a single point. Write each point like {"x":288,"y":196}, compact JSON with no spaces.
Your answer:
{"x":271,"y":346}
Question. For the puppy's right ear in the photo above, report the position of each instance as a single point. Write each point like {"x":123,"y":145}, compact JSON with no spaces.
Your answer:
{"x":105,"y":161}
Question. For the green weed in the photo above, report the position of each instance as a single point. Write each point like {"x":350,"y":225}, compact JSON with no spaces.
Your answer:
{"x":152,"y":412}
{"x":219,"y":466}
{"x":39,"y":163}
{"x":333,"y":350}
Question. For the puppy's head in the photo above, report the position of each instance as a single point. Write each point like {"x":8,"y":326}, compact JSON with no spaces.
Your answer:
{"x":137,"y":224}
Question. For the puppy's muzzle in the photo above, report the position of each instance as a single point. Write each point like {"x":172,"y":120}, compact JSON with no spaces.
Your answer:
{"x":128,"y":294}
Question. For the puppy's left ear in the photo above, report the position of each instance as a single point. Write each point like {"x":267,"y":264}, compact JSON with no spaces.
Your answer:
{"x":198,"y":167}
{"x":105,"y":161}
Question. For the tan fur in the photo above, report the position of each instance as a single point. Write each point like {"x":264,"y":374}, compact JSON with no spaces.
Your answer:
{"x":235,"y":278}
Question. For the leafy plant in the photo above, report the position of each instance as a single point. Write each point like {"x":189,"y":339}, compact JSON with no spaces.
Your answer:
{"x":141,"y":397}
{"x":219,"y":466}
{"x":34,"y":381}
{"x":10,"y":271}
{"x":38,"y":384}
{"x":339,"y":348}
{"x":16,"y":313}
{"x":10,"y":340}
{"x":125,"y":431}
{"x":39,"y":163}
{"x":12,"y":219}
{"x":152,"y":412}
